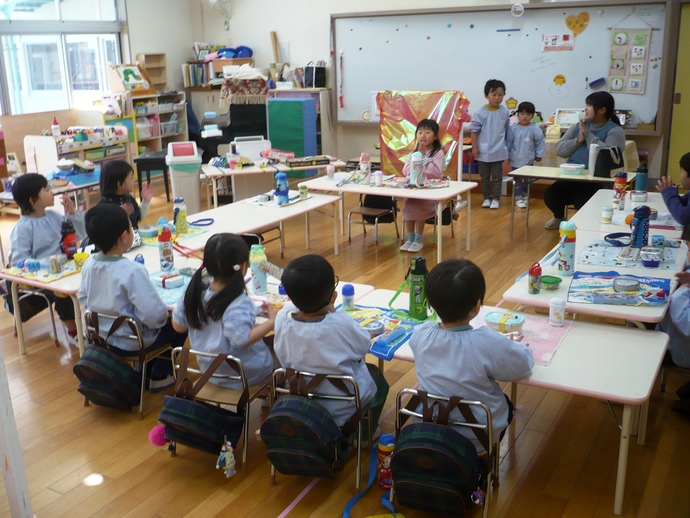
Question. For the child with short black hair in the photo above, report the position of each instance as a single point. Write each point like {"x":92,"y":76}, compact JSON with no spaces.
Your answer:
{"x":221,"y":317}
{"x":311,"y":336}
{"x":488,"y":134}
{"x":37,"y":236}
{"x":117,"y":185}
{"x":678,"y":204}
{"x":526,"y":145}
{"x":453,"y":359}
{"x":111,"y":284}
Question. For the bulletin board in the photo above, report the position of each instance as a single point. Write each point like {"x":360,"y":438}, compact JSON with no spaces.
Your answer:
{"x":549,"y":55}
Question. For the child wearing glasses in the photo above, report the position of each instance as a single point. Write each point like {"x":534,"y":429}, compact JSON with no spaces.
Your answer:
{"x":311,"y":336}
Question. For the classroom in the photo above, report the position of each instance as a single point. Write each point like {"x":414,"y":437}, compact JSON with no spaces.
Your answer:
{"x":594,"y":431}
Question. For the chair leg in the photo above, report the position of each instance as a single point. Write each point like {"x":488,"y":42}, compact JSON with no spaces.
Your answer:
{"x":358,"y":470}
{"x":376,"y":231}
{"x":282,"y":239}
{"x":246,"y":435}
{"x":395,"y":222}
{"x":141,"y":393}
{"x":273,"y":475}
{"x":664,"y":376}
{"x":497,"y":456}
{"x":166,"y":181}
{"x":86,"y":401}
{"x":349,"y":227}
{"x":52,"y":322}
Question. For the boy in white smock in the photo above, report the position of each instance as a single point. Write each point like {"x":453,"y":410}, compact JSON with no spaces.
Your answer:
{"x":526,"y":145}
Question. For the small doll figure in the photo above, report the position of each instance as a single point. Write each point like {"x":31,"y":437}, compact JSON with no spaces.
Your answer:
{"x":226,"y":459}
{"x":282,"y":192}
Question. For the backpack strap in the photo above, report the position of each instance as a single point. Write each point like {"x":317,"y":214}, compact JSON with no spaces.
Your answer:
{"x":188,"y":390}
{"x":96,"y":338}
{"x":466,"y":412}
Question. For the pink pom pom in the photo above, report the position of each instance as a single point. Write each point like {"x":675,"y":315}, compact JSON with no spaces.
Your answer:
{"x":157,"y":435}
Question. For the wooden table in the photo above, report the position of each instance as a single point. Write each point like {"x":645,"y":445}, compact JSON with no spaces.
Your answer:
{"x":437,"y":195}
{"x":258,"y":179}
{"x":601,"y":361}
{"x":532,"y":173}
{"x":518,"y":292}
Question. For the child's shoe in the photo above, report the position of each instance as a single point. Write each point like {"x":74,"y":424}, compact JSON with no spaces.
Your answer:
{"x":161,"y":384}
{"x":520,"y":203}
{"x":553,"y":224}
{"x":415,"y":247}
{"x":406,"y":246}
{"x":494,"y":204}
{"x":486,"y":204}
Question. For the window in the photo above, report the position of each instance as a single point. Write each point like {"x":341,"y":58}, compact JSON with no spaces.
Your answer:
{"x":48,"y":64}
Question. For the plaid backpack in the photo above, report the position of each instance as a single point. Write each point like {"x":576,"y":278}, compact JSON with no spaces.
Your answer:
{"x":434,"y":467}
{"x":301,"y":436}
{"x":105,"y":378}
{"x":198,"y":424}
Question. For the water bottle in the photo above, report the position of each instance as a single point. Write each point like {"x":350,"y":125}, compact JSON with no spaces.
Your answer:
{"x":641,"y":178}
{"x":556,"y":312}
{"x":383,"y":457}
{"x":593,"y":154}
{"x":417,"y":169}
{"x":282,"y":192}
{"x":55,"y":129}
{"x":257,"y":254}
{"x":348,"y":297}
{"x":639,"y":227}
{"x":165,"y":249}
{"x":534,"y":279}
{"x":180,"y":215}
{"x":417,"y":282}
{"x":619,"y":184}
{"x":365,"y":169}
{"x":566,"y":259}
{"x":68,"y":238}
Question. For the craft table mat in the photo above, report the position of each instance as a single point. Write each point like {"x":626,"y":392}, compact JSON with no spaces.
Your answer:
{"x":597,"y":287}
{"x":663,"y":220}
{"x":170,"y":295}
{"x":43,"y":275}
{"x":600,"y":253}
{"x":191,"y":232}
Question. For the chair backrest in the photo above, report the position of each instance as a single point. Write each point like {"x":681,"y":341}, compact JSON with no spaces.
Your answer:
{"x":194,"y":372}
{"x":94,"y":323}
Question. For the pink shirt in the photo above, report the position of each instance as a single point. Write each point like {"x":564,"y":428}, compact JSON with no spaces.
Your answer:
{"x":421,"y":210}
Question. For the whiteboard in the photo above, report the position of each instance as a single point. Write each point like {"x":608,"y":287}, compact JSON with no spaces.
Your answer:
{"x":462,"y":50}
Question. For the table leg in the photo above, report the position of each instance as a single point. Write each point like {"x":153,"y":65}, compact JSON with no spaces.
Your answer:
{"x":512,"y":209}
{"x":468,"y":213}
{"x":529,"y":183}
{"x":335,"y":229}
{"x":306,"y":227}
{"x":439,"y":232}
{"x":78,"y":321}
{"x":642,"y":423}
{"x":18,"y":319}
{"x":622,"y":459}
{"x":342,"y":213}
{"x":214,"y":185}
{"x":513,"y":393}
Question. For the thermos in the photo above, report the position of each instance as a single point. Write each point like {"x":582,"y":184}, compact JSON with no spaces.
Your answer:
{"x":639,"y":227}
{"x":641,"y":178}
{"x":257,"y":255}
{"x":165,"y":249}
{"x":566,"y":259}
{"x":180,"y":215}
{"x":417,"y":281}
{"x":556,"y":312}
{"x":68,"y":238}
{"x":282,"y":192}
{"x":534,"y":279}
{"x":383,"y":457}
{"x":365,"y":169}
{"x":619,"y":184}
{"x":348,"y":297}
{"x":417,"y":169}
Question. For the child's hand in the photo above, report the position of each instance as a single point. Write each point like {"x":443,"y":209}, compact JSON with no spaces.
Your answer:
{"x":68,"y":204}
{"x":129,"y":208}
{"x":515,"y":336}
{"x":683,"y":278}
{"x":270,"y":311}
{"x":475,"y":152}
{"x":664,"y":182}
{"x":147,"y":192}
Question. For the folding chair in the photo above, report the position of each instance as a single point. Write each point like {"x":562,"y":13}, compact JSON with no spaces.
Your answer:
{"x":666,"y":369}
{"x":490,"y":455}
{"x":140,"y":357}
{"x":219,"y":395}
{"x":374,"y":210}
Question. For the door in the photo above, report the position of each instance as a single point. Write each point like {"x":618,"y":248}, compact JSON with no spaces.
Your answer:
{"x":679,"y":144}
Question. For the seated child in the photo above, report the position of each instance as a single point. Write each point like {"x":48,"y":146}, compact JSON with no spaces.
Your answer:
{"x":117,"y":185}
{"x":677,"y":203}
{"x":676,"y":324}
{"x":311,"y":336}
{"x":453,"y":359}
{"x":221,"y":317}
{"x":37,"y":236}
{"x":112,"y":284}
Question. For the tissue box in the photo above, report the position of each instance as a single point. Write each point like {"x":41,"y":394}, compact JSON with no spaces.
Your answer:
{"x":168,"y":280}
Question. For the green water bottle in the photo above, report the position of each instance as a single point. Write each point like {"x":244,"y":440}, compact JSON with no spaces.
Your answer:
{"x":416,"y":279}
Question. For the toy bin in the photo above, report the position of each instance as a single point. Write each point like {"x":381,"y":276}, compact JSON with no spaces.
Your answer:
{"x":184,"y":164}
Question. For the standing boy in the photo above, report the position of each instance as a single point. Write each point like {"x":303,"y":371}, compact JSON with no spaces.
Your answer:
{"x":526,"y":145}
{"x":488,"y":132}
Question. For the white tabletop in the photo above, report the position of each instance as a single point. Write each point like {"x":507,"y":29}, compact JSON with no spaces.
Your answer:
{"x":536,"y":172}
{"x":214,"y":171}
{"x":518,"y":292}
{"x":589,"y":216}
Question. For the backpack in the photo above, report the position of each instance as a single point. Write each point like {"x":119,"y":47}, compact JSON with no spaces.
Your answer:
{"x":301,"y":436}
{"x":434,"y":467}
{"x":105,"y":378}
{"x":198,"y":424}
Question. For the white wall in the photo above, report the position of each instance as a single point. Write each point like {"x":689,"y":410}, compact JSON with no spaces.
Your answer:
{"x":162,"y":26}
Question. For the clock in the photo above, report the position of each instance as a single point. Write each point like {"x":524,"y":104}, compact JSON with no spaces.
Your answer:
{"x":617,"y":84}
{"x":620,"y":38}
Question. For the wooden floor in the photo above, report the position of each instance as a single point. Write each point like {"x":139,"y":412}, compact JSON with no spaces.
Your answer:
{"x":558,"y":458}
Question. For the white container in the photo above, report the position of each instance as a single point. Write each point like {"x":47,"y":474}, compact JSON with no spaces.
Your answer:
{"x":593,"y":153}
{"x":378,"y":178}
{"x":607,"y":215}
{"x":184,"y":163}
{"x":556,"y":312}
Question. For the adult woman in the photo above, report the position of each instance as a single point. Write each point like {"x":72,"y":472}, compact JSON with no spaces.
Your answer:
{"x":599,"y":125}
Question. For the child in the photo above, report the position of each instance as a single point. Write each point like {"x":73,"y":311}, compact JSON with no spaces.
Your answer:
{"x":416,"y":212}
{"x":311,"y":336}
{"x":37,"y":236}
{"x":676,"y":324}
{"x":112,"y":284}
{"x":117,"y":184}
{"x":453,"y":359}
{"x":221,"y":317}
{"x":488,"y":132}
{"x":526,"y":145}
{"x":677,"y":203}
